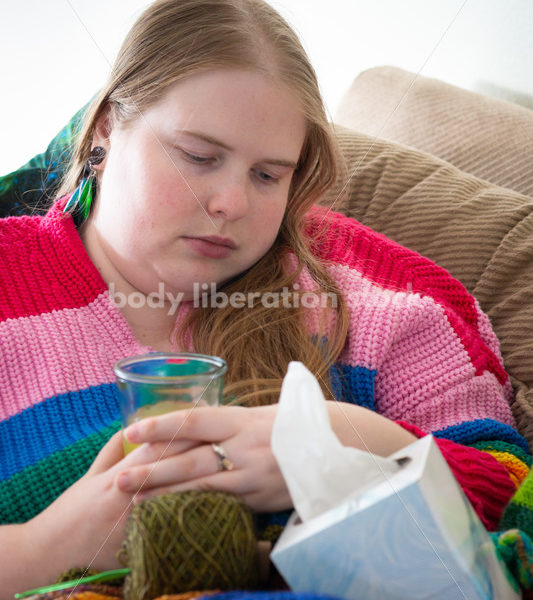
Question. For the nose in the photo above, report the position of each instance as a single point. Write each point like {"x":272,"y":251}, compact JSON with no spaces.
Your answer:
{"x":228,"y":198}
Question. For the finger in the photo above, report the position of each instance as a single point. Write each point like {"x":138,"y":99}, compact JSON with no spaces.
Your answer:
{"x":210,"y":423}
{"x":109,"y":455}
{"x":259,"y":500}
{"x":167,"y":470}
{"x":151,"y":453}
{"x":230,"y":482}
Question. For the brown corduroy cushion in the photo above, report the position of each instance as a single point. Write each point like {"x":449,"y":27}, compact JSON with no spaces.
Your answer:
{"x":489,"y":138}
{"x":481,"y":233}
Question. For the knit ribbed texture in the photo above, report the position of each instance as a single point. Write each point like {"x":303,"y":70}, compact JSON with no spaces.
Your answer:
{"x":519,"y":512}
{"x":30,"y":490}
{"x":60,"y":335}
{"x":481,"y":233}
{"x":485,"y":481}
{"x":429,"y":355}
{"x":418,"y":350}
{"x":515,"y":549}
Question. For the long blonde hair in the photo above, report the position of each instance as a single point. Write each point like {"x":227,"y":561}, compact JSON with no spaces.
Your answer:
{"x":172,"y":40}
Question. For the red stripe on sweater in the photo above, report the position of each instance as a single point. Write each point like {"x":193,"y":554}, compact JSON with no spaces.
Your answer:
{"x":484,"y":480}
{"x":394,"y":267}
{"x":24,"y":242}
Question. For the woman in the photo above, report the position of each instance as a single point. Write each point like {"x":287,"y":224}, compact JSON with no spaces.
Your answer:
{"x":209,"y":146}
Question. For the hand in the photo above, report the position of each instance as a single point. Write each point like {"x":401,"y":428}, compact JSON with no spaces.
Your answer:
{"x":85,"y":525}
{"x":176,"y":455}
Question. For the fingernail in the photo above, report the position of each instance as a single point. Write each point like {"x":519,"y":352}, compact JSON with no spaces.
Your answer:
{"x":132,"y":433}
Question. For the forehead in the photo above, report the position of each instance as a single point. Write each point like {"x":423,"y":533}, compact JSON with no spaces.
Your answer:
{"x":233,"y":105}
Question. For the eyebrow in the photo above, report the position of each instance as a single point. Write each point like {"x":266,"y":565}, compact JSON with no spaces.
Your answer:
{"x":211,"y":140}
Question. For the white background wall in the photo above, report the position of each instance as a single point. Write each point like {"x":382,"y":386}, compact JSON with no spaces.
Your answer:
{"x":54,"y":54}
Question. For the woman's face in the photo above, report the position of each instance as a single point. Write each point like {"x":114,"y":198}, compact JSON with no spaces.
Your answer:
{"x":194,"y":190}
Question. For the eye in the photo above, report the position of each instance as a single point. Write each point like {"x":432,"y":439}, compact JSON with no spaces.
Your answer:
{"x":198,"y":160}
{"x":266,"y":177}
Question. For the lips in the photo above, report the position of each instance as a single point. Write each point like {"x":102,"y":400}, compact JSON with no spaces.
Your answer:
{"x":211,"y":246}
{"x":219,"y":241}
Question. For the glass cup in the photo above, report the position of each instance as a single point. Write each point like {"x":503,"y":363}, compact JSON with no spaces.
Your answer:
{"x":160,"y":382}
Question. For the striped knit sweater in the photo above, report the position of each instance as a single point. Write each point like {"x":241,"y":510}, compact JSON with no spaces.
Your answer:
{"x":419,"y":351}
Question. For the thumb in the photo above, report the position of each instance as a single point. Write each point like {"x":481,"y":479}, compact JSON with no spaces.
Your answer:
{"x":109,"y":455}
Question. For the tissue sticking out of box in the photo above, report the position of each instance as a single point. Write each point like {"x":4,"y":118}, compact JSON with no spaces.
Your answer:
{"x":319,"y":471}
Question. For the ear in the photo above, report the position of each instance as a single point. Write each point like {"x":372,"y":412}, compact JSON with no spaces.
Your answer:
{"x":103,"y":127}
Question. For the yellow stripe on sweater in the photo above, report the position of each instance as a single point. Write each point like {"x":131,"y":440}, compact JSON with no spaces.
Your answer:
{"x":517,"y":468}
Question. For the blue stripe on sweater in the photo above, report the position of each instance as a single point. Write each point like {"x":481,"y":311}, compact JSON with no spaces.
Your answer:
{"x":480,"y":430}
{"x":53,"y":424}
{"x":353,"y":384}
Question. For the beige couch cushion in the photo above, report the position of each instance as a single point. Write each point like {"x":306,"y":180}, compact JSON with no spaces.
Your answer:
{"x":489,"y":138}
{"x":481,"y":233}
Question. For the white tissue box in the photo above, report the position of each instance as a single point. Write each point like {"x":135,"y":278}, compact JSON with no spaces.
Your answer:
{"x":413,"y":535}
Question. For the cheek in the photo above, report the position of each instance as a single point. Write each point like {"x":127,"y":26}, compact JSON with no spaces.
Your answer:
{"x":267,"y":222}
{"x":154,"y":200}
{"x":171,"y":193}
{"x":275,"y":213}
{"x":275,"y":221}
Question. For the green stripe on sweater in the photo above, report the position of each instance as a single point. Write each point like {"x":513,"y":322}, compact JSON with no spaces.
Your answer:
{"x":518,"y":516}
{"x":499,"y":446}
{"x":40,"y":484}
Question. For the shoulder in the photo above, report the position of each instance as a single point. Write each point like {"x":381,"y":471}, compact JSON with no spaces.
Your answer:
{"x":15,"y":231}
{"x":18,"y":233}
{"x":21,"y":236}
{"x":347,"y":245}
{"x":369,"y":267}
{"x":44,"y":266}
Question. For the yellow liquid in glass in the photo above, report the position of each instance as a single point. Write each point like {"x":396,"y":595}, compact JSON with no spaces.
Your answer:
{"x":128,"y":446}
{"x":155,"y":410}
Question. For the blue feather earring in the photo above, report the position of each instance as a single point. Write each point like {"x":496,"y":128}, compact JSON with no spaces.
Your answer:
{"x":83,"y":195}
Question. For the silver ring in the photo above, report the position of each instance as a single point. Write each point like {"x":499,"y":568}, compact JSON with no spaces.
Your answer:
{"x":224,"y":463}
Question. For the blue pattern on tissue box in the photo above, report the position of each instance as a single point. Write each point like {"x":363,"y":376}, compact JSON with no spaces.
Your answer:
{"x":413,"y":536}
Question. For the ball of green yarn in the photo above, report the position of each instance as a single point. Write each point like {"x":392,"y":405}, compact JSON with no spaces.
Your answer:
{"x":189,"y":541}
{"x":76,"y":573}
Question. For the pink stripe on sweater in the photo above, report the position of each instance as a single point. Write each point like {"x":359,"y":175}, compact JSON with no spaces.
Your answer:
{"x":61,"y":351}
{"x":396,"y":268}
{"x":432,"y":381}
{"x":476,"y":398}
{"x":487,"y":334}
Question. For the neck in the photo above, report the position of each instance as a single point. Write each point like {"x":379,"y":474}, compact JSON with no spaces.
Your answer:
{"x":152,"y":327}
{"x":151,"y":319}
